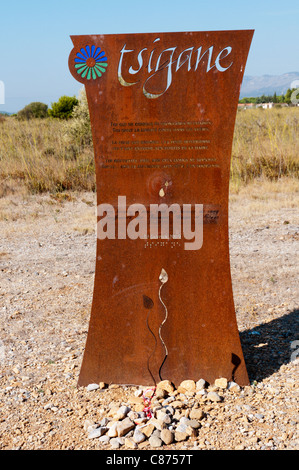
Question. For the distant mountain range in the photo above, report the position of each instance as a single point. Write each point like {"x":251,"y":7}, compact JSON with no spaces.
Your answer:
{"x":267,"y":84}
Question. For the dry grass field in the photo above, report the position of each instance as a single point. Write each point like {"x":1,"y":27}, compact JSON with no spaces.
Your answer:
{"x":265,"y":146}
{"x":46,"y":155}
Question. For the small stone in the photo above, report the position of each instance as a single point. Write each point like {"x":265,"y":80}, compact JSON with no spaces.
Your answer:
{"x":91,"y":428}
{"x":221,"y":383}
{"x":115,"y":444}
{"x":104,"y":422}
{"x":138,"y":436}
{"x":138,"y":392}
{"x":98,"y":432}
{"x":163,"y":416}
{"x":92,"y":387}
{"x":201,"y":394}
{"x":180,"y":436}
{"x":149,"y":393}
{"x":143,"y":444}
{"x":113,"y":386}
{"x":177,"y":404}
{"x":213,"y":396}
{"x":177,"y":415}
{"x":102,"y":385}
{"x":139,"y":421}
{"x":148,"y":430}
{"x":133,"y":415}
{"x":104,"y":439}
{"x":160,"y":393}
{"x":157,"y":433}
{"x":157,"y":423}
{"x":194,"y":423}
{"x":89,"y":424}
{"x":112,"y":432}
{"x":167,"y":400}
{"x":182,"y":397}
{"x":167,"y":436}
{"x":187,"y":385}
{"x":135,"y":400}
{"x":233,"y":387}
{"x":155,"y":441}
{"x":124,"y":426}
{"x":122,"y":412}
{"x":169,"y":410}
{"x":139,"y":408}
{"x":113,"y":410}
{"x":200,"y":384}
{"x":166,"y":385}
{"x":184,"y":420}
{"x":191,"y":432}
{"x":182,"y":428}
{"x":130,"y":443}
{"x":196,"y":413}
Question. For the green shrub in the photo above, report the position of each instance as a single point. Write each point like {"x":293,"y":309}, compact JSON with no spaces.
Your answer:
{"x":33,"y":110}
{"x":78,"y":129}
{"x":63,"y":108}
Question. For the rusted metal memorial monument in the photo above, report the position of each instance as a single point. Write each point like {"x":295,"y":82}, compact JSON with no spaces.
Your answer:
{"x":162,"y":109}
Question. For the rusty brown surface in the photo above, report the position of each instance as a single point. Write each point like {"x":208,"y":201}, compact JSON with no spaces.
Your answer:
{"x":175,"y":148}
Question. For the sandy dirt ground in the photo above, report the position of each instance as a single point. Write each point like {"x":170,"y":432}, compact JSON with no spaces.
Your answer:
{"x":47,"y":261}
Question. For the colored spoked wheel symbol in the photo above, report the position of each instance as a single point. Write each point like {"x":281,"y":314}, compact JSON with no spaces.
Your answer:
{"x":91,"y":62}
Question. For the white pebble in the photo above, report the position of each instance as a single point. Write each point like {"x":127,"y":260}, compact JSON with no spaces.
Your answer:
{"x":92,"y":387}
{"x":98,"y":432}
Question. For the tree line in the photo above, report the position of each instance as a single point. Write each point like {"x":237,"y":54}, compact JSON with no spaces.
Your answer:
{"x":270,"y":98}
{"x":64,"y":107}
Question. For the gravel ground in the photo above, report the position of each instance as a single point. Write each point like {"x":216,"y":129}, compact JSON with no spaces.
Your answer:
{"x":47,"y":258}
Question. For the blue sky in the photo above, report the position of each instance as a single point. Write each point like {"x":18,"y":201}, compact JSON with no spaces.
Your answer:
{"x":35,"y":42}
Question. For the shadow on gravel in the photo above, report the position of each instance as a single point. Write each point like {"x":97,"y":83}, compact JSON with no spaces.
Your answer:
{"x":270,"y":345}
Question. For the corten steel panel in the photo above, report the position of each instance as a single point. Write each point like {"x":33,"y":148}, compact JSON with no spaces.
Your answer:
{"x":163,"y":110}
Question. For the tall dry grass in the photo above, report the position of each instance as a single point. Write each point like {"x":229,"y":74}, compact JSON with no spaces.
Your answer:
{"x":48,"y":155}
{"x":265,"y":145}
{"x":41,"y":155}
